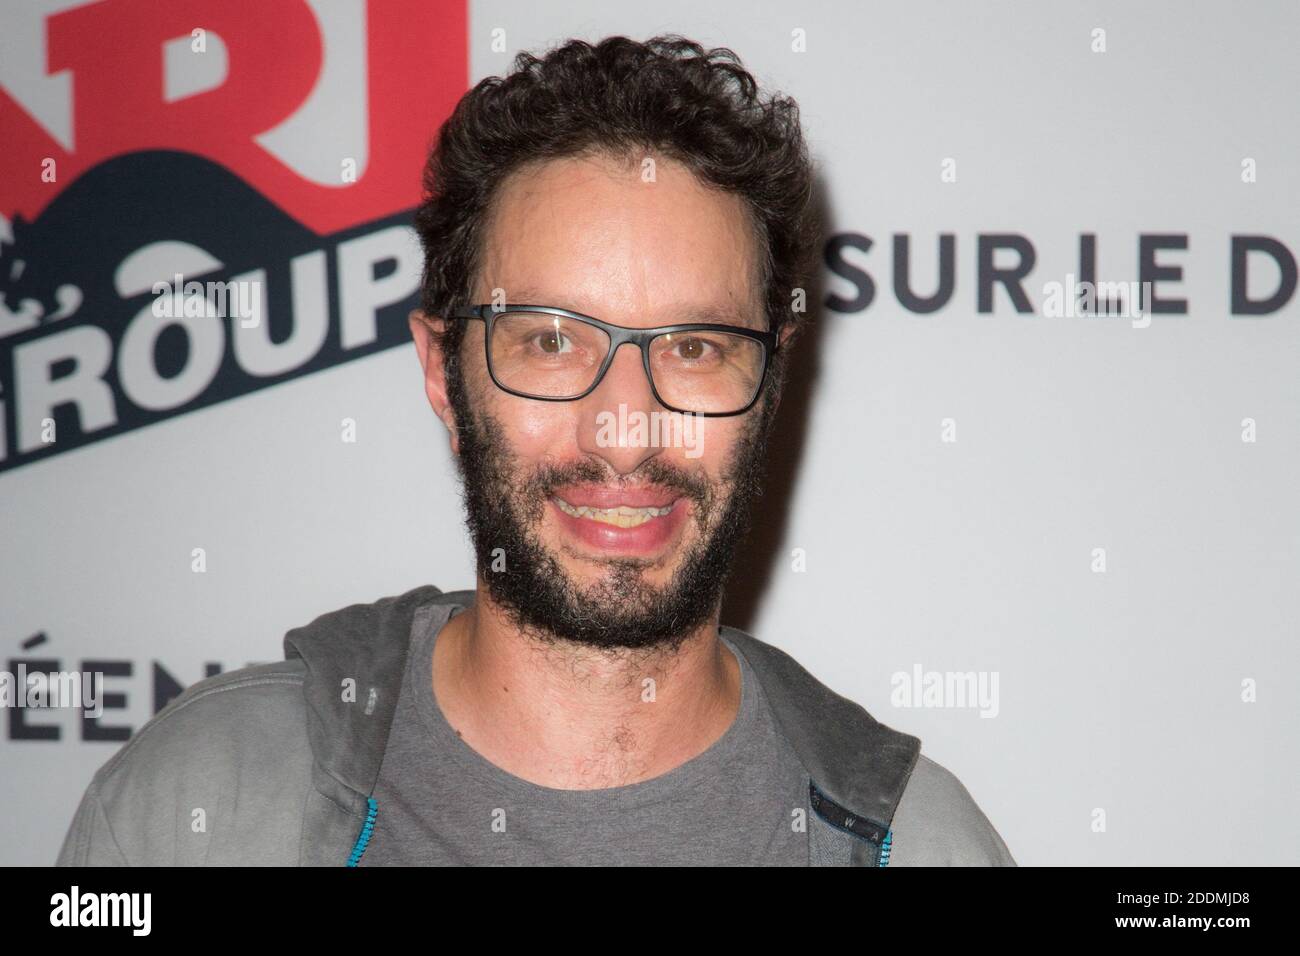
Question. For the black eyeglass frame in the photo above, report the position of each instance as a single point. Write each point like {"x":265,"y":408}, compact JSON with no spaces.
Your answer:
{"x":620,"y":335}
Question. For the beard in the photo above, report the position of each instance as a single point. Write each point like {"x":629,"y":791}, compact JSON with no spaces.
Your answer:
{"x":505,"y":504}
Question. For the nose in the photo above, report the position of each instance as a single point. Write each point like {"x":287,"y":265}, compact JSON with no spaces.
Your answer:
{"x":607,"y":430}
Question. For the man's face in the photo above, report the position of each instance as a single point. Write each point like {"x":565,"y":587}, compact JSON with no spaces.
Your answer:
{"x":593,"y":236}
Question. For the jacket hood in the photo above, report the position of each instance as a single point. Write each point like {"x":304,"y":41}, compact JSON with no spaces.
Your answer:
{"x":355,"y":659}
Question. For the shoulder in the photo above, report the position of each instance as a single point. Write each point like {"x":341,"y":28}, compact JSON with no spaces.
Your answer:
{"x":938,"y":823}
{"x":227,"y":747}
{"x":251,"y":718}
{"x":217,"y":716}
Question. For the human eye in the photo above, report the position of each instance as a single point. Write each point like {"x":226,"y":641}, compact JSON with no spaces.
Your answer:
{"x":693,"y":348}
{"x":551,"y":341}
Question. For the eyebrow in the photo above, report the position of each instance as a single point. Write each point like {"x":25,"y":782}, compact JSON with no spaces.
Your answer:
{"x":728,"y":315}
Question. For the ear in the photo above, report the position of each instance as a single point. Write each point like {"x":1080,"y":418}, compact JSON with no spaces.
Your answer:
{"x":784,"y":335}
{"x":429,"y":352}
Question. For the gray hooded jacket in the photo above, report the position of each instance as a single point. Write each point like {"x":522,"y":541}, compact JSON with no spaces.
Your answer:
{"x":274,"y":764}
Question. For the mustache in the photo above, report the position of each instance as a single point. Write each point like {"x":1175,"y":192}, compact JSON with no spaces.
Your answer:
{"x":653,"y":473}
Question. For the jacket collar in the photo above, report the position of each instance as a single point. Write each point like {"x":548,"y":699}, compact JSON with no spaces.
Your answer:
{"x":860,"y":764}
{"x":355,"y":658}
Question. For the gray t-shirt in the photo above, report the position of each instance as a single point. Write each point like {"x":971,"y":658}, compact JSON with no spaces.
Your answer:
{"x":442,"y":803}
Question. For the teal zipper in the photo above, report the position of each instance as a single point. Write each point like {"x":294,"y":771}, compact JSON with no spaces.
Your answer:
{"x":367,"y":829}
{"x":885,"y":847}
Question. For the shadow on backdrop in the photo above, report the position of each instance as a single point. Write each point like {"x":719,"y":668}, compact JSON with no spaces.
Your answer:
{"x":759,"y":554}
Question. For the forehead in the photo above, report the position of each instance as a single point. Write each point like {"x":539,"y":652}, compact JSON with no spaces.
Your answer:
{"x":634,"y":243}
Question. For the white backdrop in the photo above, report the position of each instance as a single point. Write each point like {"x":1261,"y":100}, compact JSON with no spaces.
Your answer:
{"x":1119,"y":691}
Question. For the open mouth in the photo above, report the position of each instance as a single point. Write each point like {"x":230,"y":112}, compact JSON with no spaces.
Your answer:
{"x":623,"y":516}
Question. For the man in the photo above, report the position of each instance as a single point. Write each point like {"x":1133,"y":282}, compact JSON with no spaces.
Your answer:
{"x":618,"y":232}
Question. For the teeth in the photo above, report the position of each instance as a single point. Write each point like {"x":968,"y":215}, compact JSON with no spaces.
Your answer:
{"x":623,"y":516}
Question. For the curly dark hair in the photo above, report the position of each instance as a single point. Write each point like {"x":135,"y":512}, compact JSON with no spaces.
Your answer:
{"x":700,"y":108}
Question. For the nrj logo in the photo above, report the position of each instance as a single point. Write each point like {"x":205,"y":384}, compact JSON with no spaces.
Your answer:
{"x":205,"y":149}
{"x":638,"y":429}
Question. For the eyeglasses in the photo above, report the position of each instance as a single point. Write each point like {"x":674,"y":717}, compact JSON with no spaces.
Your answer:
{"x":554,"y":355}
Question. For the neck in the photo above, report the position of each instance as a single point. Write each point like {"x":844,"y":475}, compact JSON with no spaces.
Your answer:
{"x":574,"y":717}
